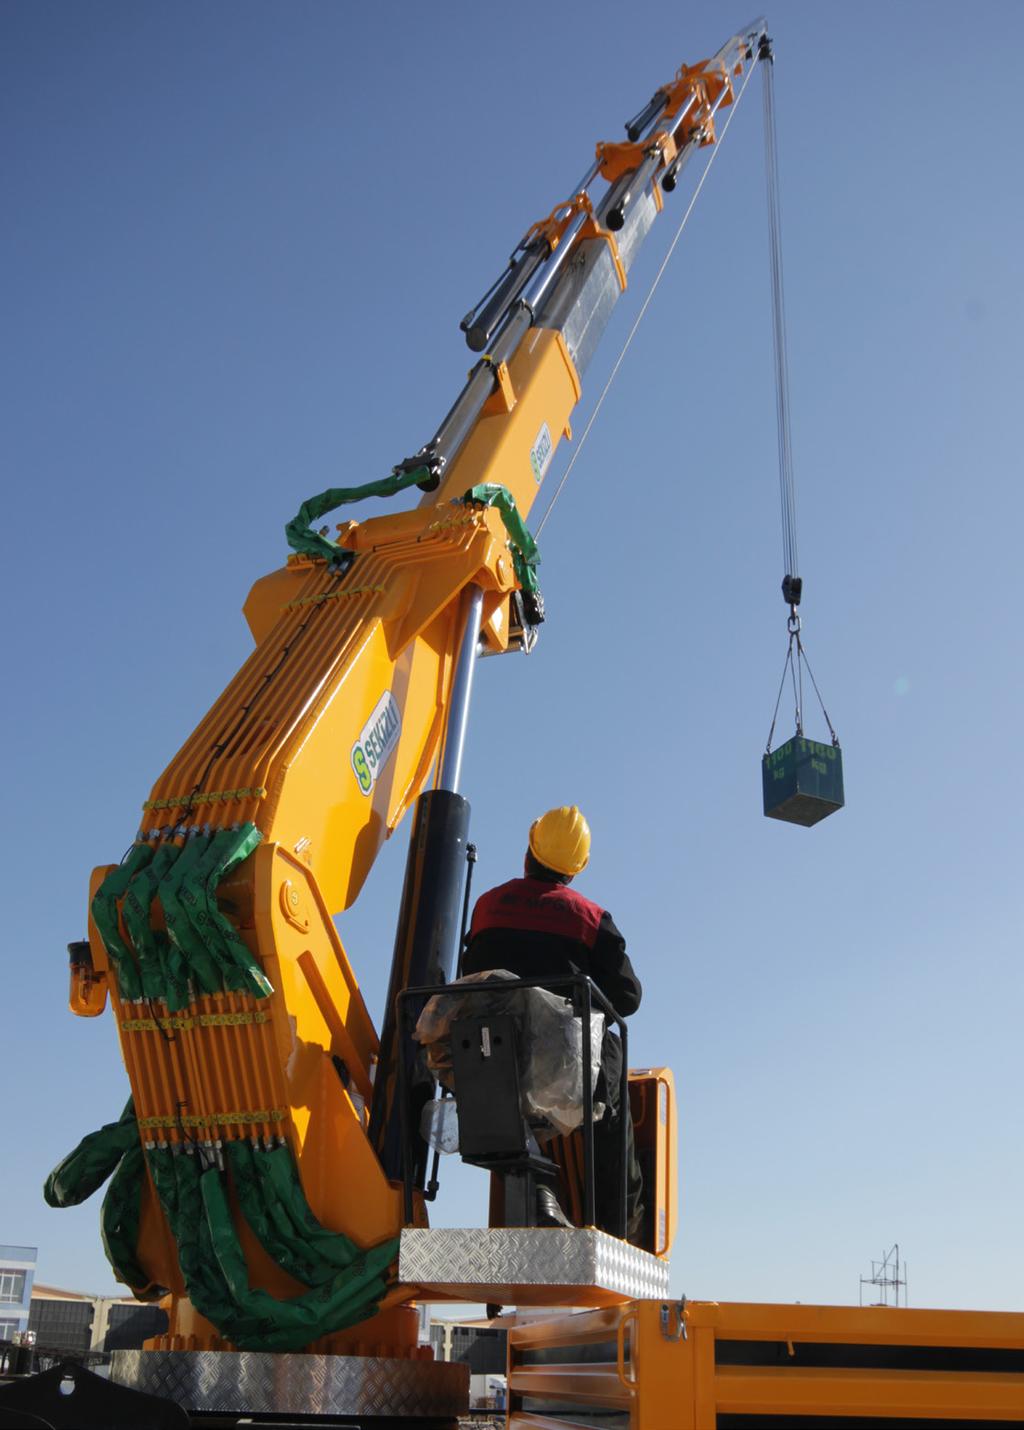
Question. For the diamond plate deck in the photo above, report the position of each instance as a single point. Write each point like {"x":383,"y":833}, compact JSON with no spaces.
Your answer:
{"x":255,"y":1383}
{"x":524,"y":1265}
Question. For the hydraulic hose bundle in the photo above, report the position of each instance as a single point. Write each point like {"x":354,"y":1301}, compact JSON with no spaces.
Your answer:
{"x":346,"y":1284}
{"x":172,"y":974}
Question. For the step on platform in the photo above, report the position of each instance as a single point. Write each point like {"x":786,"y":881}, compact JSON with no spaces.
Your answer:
{"x":546,"y":1266}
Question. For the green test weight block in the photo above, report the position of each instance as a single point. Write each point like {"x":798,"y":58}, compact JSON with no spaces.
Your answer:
{"x":803,"y":781}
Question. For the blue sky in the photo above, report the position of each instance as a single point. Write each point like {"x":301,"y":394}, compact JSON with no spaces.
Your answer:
{"x":237,"y":243}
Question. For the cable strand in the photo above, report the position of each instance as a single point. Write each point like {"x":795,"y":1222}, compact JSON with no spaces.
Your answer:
{"x":778,"y":698}
{"x":787,"y":485}
{"x":803,"y":657}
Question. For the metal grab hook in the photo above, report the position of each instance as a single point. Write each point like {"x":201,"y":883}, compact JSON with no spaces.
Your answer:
{"x":793,"y":622}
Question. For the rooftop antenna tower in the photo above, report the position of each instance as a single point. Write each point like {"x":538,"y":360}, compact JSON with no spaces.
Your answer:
{"x":890,"y":1277}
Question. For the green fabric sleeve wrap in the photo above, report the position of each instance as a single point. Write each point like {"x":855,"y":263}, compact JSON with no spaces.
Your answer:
{"x":202,"y":969}
{"x":196,"y":905}
{"x":298,"y":531}
{"x":187,"y":960}
{"x":347,"y":1298}
{"x":217,"y":1276}
{"x":201,"y":951}
{"x":223,"y":947}
{"x":176,"y":1178}
{"x":84,"y":1170}
{"x":270,"y":1222}
{"x":115,"y":1149}
{"x":281,"y":1187}
{"x":346,"y":1283}
{"x":268,"y":1187}
{"x":104,"y":912}
{"x":138,"y":901}
{"x":525,"y":556}
{"x":119,"y":1225}
{"x":236,"y":847}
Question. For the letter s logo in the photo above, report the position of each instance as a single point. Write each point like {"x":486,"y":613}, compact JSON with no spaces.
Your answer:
{"x":362,"y":769}
{"x":376,"y":743}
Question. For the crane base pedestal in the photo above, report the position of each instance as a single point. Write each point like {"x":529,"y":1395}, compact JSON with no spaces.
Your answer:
{"x":256,"y":1384}
{"x":536,"y":1266}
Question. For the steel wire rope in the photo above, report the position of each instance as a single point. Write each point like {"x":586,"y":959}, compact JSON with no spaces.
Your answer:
{"x":778,"y":699}
{"x":789,"y":664}
{"x":802,"y":654}
{"x":787,"y":487}
{"x":646,"y":303}
{"x":797,"y":669}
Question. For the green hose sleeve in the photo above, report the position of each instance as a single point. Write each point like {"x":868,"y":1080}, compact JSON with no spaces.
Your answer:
{"x":104,"y":913}
{"x":310,"y":543}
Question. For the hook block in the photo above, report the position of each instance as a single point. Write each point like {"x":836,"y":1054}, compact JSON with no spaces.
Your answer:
{"x":802,"y":781}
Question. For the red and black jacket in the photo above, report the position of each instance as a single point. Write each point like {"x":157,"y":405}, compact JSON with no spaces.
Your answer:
{"x":537,"y":927}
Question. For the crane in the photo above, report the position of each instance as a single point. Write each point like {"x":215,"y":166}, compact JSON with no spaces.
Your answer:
{"x":267,"y":1180}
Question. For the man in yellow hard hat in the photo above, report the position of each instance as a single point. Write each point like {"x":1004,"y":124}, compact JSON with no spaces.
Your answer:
{"x":538,"y":926}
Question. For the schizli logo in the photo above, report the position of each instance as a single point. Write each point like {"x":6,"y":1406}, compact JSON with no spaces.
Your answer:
{"x":541,"y":452}
{"x":377,"y":741}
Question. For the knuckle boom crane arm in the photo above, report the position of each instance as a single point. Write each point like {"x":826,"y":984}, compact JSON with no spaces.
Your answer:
{"x":256,"y":1165}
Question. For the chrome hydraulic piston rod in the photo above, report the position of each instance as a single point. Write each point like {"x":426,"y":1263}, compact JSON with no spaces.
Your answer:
{"x":623,"y":193}
{"x":556,"y":291}
{"x":450,"y":764}
{"x":486,"y":318}
{"x":479,"y":325}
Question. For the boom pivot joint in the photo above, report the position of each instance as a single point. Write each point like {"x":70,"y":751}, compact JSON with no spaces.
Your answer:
{"x":428,"y":460}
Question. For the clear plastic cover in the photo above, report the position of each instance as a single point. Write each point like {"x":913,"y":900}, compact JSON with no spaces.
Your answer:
{"x":550,"y":1050}
{"x":439,"y":1125}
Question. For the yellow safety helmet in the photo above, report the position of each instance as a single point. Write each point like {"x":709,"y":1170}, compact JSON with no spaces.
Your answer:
{"x":560,"y":840}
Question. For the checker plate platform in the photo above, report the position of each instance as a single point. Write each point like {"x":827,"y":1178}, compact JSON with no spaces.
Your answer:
{"x":544,"y":1266}
{"x":257,"y":1383}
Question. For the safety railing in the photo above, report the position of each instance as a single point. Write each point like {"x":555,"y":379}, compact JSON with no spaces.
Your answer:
{"x":584,"y":996}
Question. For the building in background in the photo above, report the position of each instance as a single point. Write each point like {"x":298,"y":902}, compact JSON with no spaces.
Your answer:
{"x":77,"y":1323}
{"x":482,"y":1346}
{"x":17,"y":1273}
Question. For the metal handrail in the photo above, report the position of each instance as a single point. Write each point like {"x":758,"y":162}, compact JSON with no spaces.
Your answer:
{"x":584,"y":994}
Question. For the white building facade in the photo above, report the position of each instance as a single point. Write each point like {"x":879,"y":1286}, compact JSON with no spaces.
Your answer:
{"x":17,"y":1272}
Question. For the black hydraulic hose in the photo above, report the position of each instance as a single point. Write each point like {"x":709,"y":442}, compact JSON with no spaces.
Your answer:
{"x":470,"y":861}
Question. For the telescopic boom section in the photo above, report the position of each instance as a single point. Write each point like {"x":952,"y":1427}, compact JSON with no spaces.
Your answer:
{"x":239,"y":1014}
{"x":568,"y":270}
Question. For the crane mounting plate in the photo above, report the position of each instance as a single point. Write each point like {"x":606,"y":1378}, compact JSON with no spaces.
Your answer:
{"x":542,"y":1266}
{"x":258,"y":1383}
